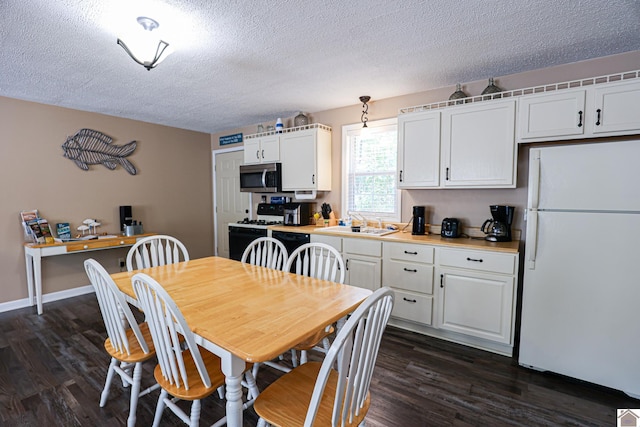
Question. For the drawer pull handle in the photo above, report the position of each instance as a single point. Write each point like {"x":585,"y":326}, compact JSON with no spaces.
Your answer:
{"x":410,"y":270}
{"x":474,"y":260}
{"x":86,"y":246}
{"x":598,"y":117}
{"x":409,"y":300}
{"x":410,"y":253}
{"x":122,"y":242}
{"x":579,"y":119}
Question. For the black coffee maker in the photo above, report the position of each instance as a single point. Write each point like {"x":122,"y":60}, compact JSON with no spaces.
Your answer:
{"x":498,"y":228}
{"x":418,"y":220}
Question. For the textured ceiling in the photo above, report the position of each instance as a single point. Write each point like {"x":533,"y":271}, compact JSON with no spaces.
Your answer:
{"x":243,"y":62}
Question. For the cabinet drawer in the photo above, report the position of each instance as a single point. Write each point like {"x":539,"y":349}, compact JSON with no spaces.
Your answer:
{"x":335,"y":242}
{"x":478,"y":260}
{"x":362,"y":247}
{"x":408,"y":252}
{"x":408,"y":276}
{"x":99,"y":244}
{"x":416,"y":308}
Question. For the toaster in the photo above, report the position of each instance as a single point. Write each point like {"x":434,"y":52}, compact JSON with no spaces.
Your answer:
{"x":450,"y":227}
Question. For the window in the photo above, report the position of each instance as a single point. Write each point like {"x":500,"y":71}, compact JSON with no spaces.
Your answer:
{"x":369,"y":170}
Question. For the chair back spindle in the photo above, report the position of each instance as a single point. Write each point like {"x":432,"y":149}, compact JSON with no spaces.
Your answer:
{"x":266,"y":252}
{"x":317,"y":260}
{"x":154,"y":251}
{"x":168,"y":330}
{"x":116,"y":314}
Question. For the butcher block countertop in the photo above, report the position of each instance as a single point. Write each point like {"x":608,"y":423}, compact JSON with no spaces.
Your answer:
{"x":406,"y":237}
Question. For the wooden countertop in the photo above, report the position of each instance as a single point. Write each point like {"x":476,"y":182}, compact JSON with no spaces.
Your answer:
{"x":407,"y":237}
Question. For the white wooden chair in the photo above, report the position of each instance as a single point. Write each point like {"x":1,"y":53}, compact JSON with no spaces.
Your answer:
{"x":271,"y":253}
{"x":324,"y":262}
{"x":156,"y":250}
{"x":317,"y":394}
{"x":185,"y":371}
{"x":266,"y":252}
{"x":128,"y":343}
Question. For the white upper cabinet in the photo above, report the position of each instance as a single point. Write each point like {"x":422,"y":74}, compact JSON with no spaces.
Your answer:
{"x":615,"y":109}
{"x":262,"y":149}
{"x":478,"y":145}
{"x":419,"y":150}
{"x":598,"y":110}
{"x":560,"y":114}
{"x":306,"y":159}
{"x":469,"y":146}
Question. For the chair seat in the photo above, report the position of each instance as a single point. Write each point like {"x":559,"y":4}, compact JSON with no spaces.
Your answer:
{"x":197,"y":389}
{"x":136,"y":353}
{"x":313,"y":340}
{"x":285,"y":402}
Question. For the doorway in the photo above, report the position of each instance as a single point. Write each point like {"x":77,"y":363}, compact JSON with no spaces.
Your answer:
{"x":229,"y":204}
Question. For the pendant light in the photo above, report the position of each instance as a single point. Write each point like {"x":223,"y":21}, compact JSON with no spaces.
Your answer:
{"x":365,"y":111}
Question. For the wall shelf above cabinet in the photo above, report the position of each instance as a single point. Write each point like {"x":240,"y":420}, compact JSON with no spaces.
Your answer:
{"x":553,"y":87}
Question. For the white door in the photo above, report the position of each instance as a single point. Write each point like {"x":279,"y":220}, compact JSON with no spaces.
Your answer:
{"x":230,"y":204}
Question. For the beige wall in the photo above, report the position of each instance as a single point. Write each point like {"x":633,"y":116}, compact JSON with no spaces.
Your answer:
{"x":471,"y":206}
{"x":171,"y":194}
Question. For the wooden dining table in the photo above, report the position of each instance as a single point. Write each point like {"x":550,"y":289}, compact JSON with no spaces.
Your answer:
{"x":246,"y":313}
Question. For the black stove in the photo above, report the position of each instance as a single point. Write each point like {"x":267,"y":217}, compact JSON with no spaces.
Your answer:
{"x":260,"y":221}
{"x":243,"y":232}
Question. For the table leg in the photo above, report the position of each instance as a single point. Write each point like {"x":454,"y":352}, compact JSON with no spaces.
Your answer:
{"x":233,"y":368}
{"x":28,"y":260}
{"x":37,"y":274}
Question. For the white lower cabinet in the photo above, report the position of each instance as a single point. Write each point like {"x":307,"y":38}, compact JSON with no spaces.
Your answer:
{"x":477,"y":304}
{"x":476,"y":293}
{"x":362,"y":258}
{"x":461,"y":295}
{"x":408,"y":269}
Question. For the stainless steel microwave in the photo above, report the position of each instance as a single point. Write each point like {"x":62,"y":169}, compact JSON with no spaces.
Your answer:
{"x":261,"y":178}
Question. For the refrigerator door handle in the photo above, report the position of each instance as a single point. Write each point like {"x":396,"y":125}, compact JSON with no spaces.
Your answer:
{"x":532,"y":238}
{"x":534,"y":179}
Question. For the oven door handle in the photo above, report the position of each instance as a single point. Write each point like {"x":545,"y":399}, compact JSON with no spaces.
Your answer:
{"x":264,"y":178}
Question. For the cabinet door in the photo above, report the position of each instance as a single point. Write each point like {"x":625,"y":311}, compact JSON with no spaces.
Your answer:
{"x":478,"y":143}
{"x":551,"y":115}
{"x":363,"y":271}
{"x":261,"y":150}
{"x":298,"y":157}
{"x":270,"y":148}
{"x":615,"y":109}
{"x":251,"y":151}
{"x":476,"y":304}
{"x":419,"y":150}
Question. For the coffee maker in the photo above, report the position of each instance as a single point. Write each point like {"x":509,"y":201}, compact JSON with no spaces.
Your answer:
{"x":498,"y":228}
{"x":418,"y":220}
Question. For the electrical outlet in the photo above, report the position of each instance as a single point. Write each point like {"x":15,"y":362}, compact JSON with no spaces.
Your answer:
{"x":122,"y":264}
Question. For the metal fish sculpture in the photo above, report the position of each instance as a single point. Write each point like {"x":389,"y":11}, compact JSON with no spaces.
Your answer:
{"x":91,"y":147}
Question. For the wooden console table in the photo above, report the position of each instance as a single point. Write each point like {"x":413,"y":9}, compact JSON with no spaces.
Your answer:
{"x":33,"y":254}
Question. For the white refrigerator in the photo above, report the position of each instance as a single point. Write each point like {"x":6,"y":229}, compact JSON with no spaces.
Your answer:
{"x":581,"y":289}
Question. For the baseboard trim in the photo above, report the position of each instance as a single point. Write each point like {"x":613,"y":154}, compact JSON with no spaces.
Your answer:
{"x":53,"y":296}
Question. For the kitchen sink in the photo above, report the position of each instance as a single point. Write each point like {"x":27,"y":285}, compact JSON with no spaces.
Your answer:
{"x":369,"y":231}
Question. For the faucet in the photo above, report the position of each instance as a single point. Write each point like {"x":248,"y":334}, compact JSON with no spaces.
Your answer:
{"x":379,"y":222}
{"x":361,"y":218}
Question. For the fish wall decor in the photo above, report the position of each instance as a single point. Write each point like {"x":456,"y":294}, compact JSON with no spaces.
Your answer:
{"x":91,"y":147}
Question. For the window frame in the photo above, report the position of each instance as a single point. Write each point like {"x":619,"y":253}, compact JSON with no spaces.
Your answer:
{"x":355,"y":129}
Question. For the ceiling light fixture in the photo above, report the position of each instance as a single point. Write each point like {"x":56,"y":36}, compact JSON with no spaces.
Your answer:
{"x":365,"y":110}
{"x":148,"y":49}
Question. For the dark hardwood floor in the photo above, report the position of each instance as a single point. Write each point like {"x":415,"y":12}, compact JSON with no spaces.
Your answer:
{"x":52,"y":369}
